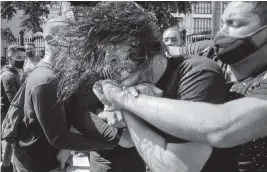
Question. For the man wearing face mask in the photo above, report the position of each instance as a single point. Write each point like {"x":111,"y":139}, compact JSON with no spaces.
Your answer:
{"x":10,"y":84}
{"x":31,"y":59}
{"x":172,"y":37}
{"x":241,"y":122}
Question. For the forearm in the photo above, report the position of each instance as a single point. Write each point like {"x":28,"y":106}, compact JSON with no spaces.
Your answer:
{"x":174,"y":117}
{"x":94,"y":128}
{"x":53,"y":120}
{"x":219,"y":125}
{"x":152,"y":147}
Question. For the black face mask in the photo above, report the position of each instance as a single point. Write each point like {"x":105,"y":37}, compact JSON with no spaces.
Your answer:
{"x":231,"y":49}
{"x":19,"y":64}
{"x":30,"y":53}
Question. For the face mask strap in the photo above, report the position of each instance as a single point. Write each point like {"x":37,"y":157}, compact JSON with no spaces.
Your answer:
{"x":260,"y":37}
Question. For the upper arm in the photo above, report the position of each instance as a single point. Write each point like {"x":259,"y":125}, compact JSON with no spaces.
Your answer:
{"x":204,"y":86}
{"x":240,"y":121}
{"x":49,"y":112}
{"x":10,"y":86}
{"x":245,"y":119}
{"x":196,"y":47}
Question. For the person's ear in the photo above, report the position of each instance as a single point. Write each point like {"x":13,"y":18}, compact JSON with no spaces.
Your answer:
{"x":51,"y":39}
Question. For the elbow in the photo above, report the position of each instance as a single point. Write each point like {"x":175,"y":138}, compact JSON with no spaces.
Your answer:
{"x":218,"y":133}
{"x":58,"y":141}
{"x":218,"y":140}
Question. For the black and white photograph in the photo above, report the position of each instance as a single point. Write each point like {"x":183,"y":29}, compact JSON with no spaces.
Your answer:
{"x":133,"y":86}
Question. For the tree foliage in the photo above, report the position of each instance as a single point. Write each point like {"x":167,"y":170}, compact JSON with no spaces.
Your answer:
{"x":162,"y":10}
{"x":33,"y":12}
{"x":6,"y":34}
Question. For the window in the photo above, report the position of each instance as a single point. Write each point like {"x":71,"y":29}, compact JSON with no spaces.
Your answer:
{"x":202,"y":7}
{"x":202,"y":24}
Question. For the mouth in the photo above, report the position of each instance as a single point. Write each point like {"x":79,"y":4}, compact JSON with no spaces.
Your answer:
{"x":125,"y":70}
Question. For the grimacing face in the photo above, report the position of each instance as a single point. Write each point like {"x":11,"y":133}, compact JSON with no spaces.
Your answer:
{"x":239,"y":19}
{"x":172,"y":38}
{"x":126,"y":62}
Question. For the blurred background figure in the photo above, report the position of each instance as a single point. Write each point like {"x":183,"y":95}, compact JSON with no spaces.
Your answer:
{"x":3,"y":61}
{"x":31,"y":59}
{"x":10,"y":84}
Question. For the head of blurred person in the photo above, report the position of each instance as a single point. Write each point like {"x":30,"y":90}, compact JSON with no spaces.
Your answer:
{"x":3,"y":61}
{"x":52,"y":33}
{"x":30,"y":50}
{"x":241,"y":42}
{"x":172,"y":37}
{"x":16,"y":56}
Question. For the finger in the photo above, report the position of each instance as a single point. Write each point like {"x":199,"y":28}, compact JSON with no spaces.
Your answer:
{"x":157,"y":92}
{"x":111,"y":108}
{"x":62,"y":164}
{"x":102,"y":115}
{"x":119,"y":116}
{"x":111,"y":118}
{"x":133,"y":91}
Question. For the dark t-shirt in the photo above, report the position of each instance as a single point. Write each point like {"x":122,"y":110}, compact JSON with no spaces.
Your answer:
{"x":252,"y":156}
{"x":45,"y":122}
{"x":118,"y":159}
{"x":10,"y":84}
{"x":197,"y":79}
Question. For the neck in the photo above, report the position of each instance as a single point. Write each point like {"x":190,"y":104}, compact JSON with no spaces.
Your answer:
{"x":47,"y":57}
{"x":250,"y":65}
{"x":14,"y":67}
{"x":159,"y":65}
{"x":32,"y":58}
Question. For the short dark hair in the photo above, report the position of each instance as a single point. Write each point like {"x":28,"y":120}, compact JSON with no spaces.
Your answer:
{"x":30,"y":44}
{"x":179,"y":33}
{"x":261,"y":11}
{"x":15,"y":48}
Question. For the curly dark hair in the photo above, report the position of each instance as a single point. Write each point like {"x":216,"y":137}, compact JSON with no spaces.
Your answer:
{"x":107,"y":22}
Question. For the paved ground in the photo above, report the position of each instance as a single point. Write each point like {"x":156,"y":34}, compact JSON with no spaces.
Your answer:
{"x":79,"y":164}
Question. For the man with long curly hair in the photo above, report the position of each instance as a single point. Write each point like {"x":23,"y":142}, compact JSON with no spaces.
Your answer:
{"x":46,"y":127}
{"x":122,"y":40}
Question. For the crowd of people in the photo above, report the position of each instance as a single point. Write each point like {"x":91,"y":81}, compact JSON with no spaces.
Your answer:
{"x":134,"y":99}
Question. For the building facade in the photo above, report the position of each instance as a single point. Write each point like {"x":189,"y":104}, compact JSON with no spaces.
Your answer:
{"x":201,"y":18}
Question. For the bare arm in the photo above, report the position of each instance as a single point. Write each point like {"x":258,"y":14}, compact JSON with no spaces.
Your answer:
{"x":162,"y":156}
{"x":225,"y":125}
{"x":193,"y":49}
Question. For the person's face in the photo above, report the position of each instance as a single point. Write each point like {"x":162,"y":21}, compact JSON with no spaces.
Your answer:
{"x":30,"y":50}
{"x":172,"y":38}
{"x":17,"y":58}
{"x":239,"y":19}
{"x":127,"y":63}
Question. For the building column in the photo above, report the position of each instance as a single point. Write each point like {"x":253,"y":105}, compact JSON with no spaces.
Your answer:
{"x":216,"y":7}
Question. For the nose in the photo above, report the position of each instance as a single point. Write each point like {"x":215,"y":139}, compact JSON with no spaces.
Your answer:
{"x":168,"y":43}
{"x":111,"y":58}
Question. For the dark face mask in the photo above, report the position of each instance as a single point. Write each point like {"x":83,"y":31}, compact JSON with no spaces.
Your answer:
{"x":30,"y":53}
{"x":19,"y":64}
{"x":231,"y":49}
